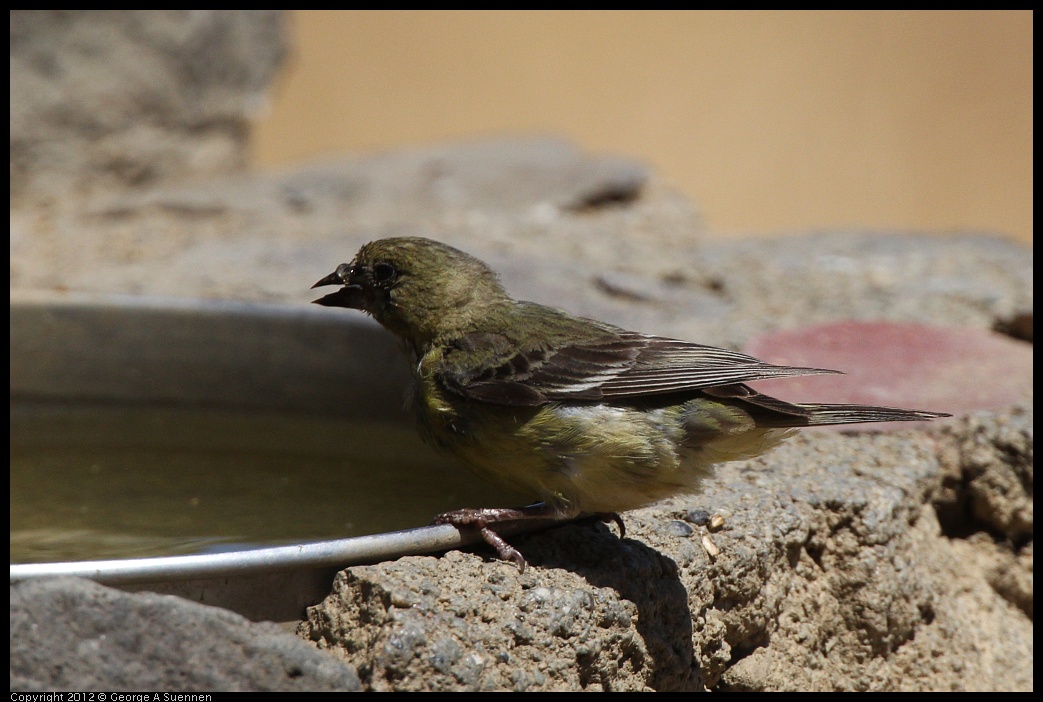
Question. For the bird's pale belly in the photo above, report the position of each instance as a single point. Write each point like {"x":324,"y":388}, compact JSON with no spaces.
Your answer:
{"x":588,"y":457}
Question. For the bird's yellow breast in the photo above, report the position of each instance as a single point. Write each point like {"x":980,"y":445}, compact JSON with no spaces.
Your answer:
{"x":589,"y":457}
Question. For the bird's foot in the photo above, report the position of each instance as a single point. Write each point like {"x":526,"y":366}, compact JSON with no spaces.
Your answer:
{"x":480,"y":519}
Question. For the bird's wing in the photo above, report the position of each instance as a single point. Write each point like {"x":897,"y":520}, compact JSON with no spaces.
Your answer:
{"x":670,"y":365}
{"x":614,"y":364}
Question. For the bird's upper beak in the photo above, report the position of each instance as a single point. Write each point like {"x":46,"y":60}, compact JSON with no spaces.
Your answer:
{"x":348,"y":296}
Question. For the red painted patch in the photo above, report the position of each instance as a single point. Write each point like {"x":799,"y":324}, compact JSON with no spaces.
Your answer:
{"x":898,"y":364}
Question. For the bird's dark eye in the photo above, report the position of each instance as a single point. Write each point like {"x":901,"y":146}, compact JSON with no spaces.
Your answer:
{"x":384,"y":272}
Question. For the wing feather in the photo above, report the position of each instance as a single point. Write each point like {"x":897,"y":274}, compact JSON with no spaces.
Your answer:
{"x":612,"y":364}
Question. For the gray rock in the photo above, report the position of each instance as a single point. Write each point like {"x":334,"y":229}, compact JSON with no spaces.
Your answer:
{"x":72,"y":634}
{"x":105,"y":100}
{"x":836,"y":574}
{"x":457,"y":623}
{"x":640,"y":263}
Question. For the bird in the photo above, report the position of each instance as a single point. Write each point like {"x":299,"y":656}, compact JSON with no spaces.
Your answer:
{"x":585,"y":416}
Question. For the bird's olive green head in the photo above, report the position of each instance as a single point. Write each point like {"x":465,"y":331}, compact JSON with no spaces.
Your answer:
{"x":418,"y":288}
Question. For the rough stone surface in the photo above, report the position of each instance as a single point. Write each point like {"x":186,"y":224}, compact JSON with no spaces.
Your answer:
{"x":105,"y":99}
{"x":72,"y":634}
{"x":845,"y":561}
{"x":453,"y":623}
{"x":860,"y":587}
{"x":641,"y":263}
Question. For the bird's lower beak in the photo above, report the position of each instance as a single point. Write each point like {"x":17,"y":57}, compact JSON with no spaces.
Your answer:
{"x":349,"y":296}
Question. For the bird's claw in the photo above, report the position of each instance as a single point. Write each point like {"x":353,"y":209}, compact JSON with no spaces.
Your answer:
{"x":607,"y":517}
{"x":504,"y":550}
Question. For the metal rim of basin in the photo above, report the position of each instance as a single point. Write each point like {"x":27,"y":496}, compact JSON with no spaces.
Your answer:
{"x":274,"y":584}
{"x":269,"y":583}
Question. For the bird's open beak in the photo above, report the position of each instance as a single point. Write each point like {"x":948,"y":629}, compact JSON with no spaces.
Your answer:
{"x":348,"y":296}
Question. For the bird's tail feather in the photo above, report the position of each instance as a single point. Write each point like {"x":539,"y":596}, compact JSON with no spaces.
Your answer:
{"x":791,"y":414}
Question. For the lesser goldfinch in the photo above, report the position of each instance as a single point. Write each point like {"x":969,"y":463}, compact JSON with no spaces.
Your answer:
{"x":583,"y":415}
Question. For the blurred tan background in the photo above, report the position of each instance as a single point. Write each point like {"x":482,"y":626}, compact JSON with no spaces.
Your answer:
{"x":770,"y":121}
